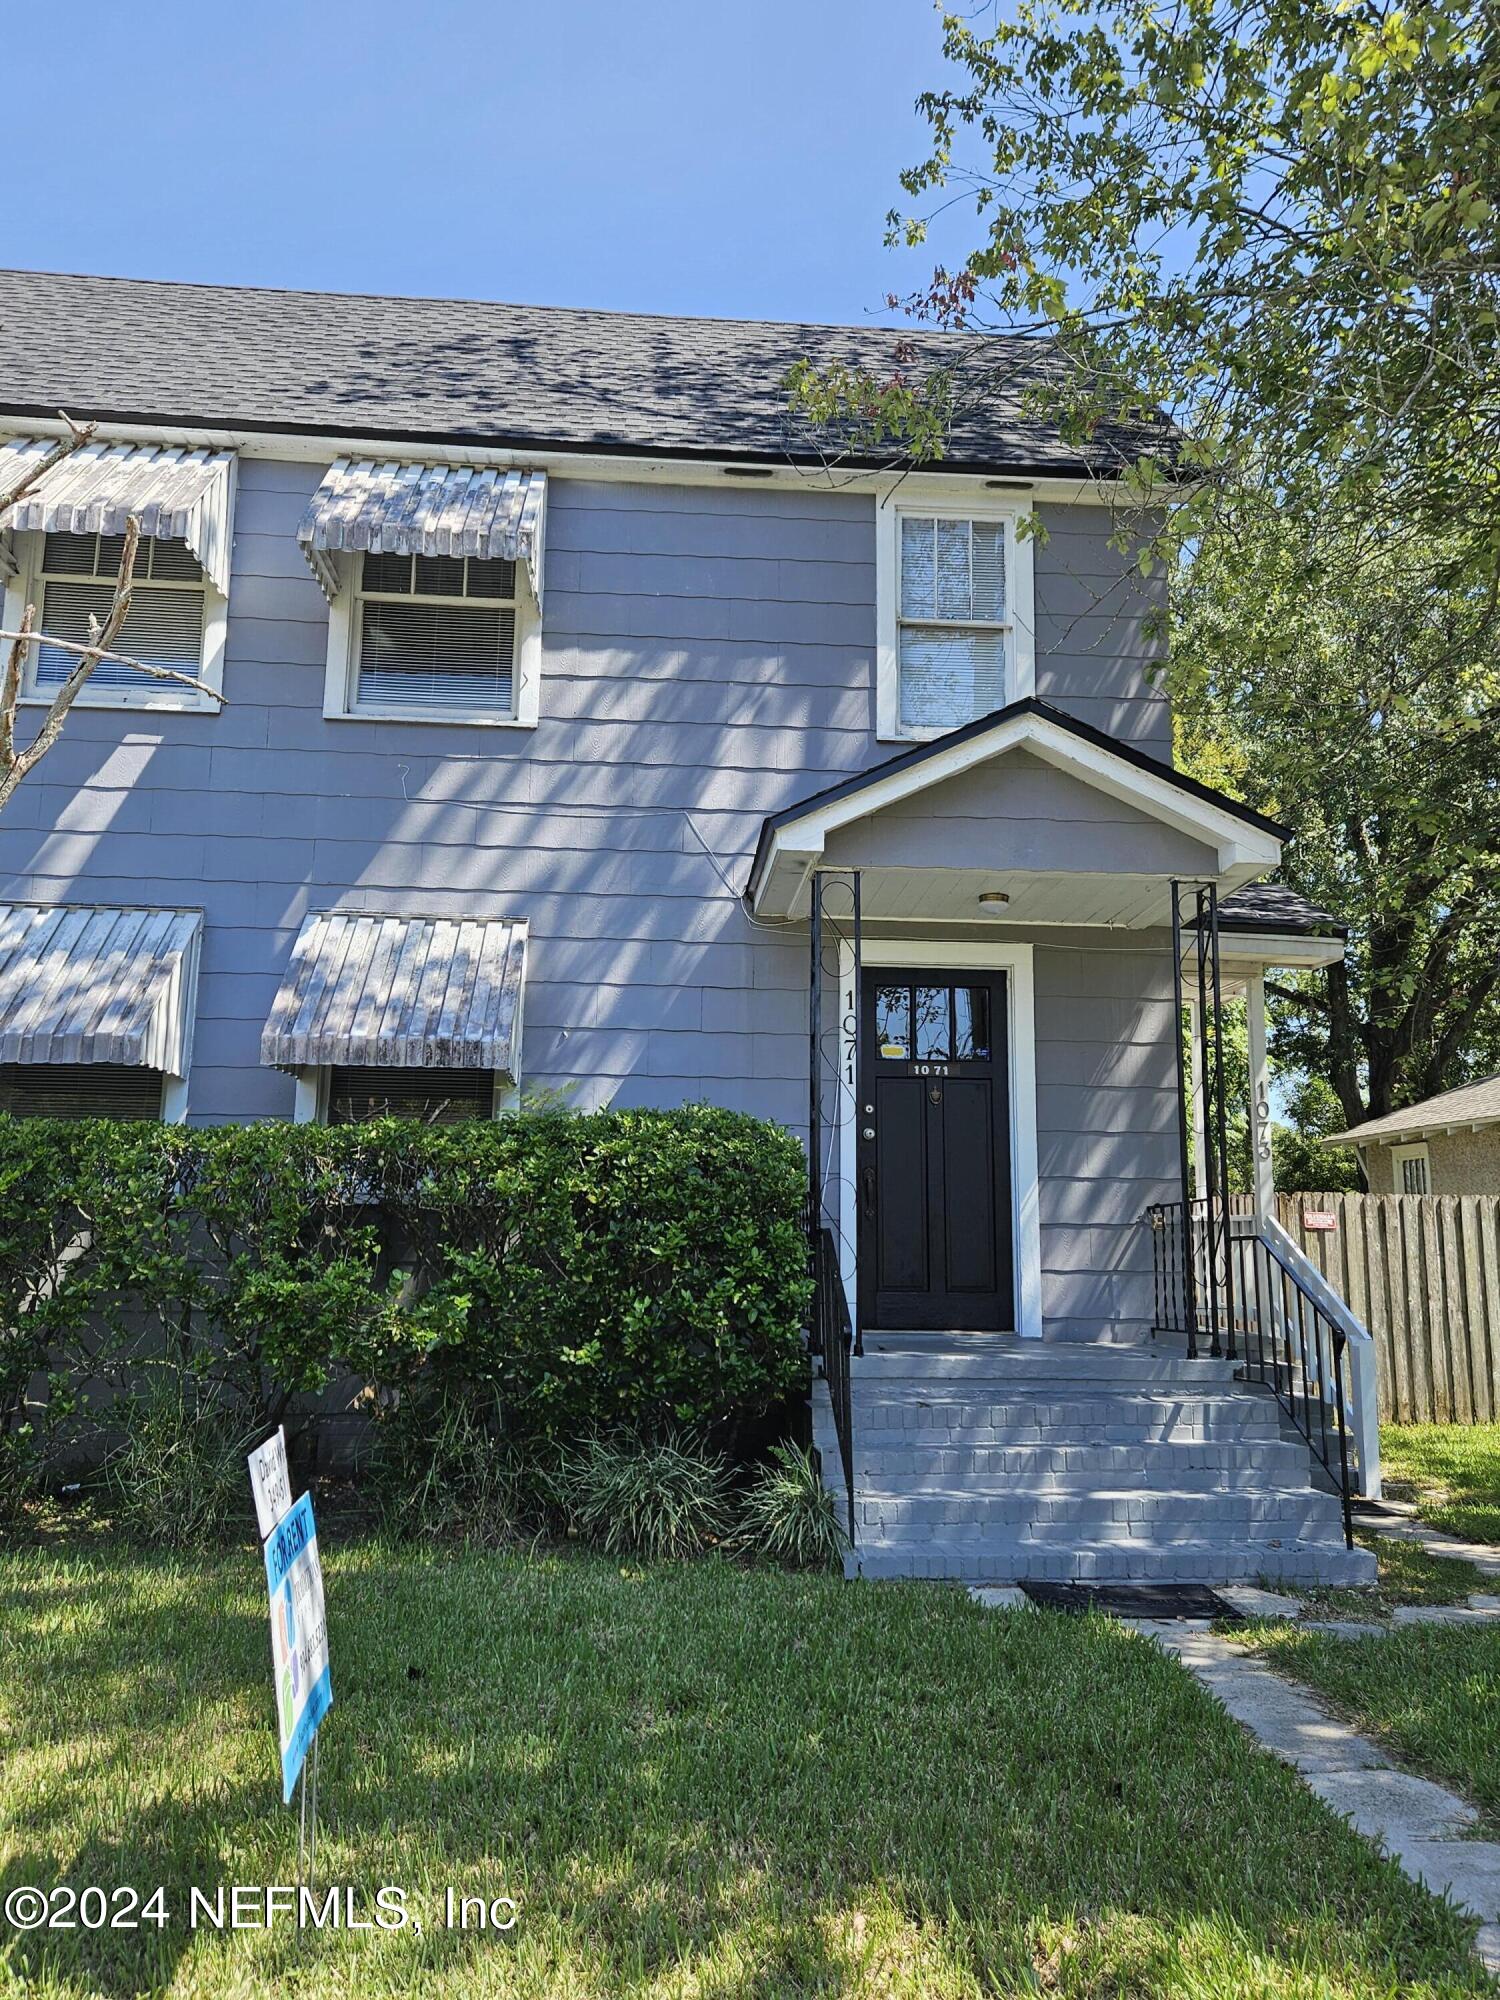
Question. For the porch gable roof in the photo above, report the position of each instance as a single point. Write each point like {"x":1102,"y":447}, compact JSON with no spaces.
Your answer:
{"x":1245,"y":843}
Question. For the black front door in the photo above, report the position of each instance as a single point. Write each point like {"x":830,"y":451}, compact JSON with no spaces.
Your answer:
{"x":933,"y":1158}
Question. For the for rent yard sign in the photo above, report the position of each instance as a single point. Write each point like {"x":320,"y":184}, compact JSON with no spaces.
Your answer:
{"x":299,"y":1637}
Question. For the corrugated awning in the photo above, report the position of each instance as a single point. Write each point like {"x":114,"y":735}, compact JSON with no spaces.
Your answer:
{"x":178,"y":493}
{"x":425,"y":510}
{"x":403,"y":992}
{"x":82,"y":985}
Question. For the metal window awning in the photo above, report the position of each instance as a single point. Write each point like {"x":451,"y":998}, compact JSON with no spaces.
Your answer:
{"x":425,"y":510}
{"x":88,"y":985}
{"x":403,"y":992}
{"x":177,"y":492}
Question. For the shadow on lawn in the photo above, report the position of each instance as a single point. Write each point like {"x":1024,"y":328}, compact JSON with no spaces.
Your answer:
{"x":772,"y":1785}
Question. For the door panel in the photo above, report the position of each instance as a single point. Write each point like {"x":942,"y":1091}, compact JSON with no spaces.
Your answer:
{"x":934,"y":1152}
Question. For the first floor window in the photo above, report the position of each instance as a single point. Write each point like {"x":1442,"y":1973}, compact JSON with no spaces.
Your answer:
{"x":80,"y":1090}
{"x":436,"y":636}
{"x":434,"y":1096}
{"x":164,"y":625}
{"x":953,"y":627}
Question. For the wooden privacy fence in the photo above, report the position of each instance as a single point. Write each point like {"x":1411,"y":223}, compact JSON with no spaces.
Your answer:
{"x":1423,"y":1273}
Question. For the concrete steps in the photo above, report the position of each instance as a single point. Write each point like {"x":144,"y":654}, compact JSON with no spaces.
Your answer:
{"x":986,"y":1459}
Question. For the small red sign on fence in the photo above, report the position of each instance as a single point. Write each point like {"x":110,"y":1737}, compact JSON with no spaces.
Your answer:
{"x":1319,"y":1218}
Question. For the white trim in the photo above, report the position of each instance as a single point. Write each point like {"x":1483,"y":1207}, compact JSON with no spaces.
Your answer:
{"x":25,"y":587}
{"x":922,"y":497}
{"x":1238,"y":950}
{"x":174,"y":1097}
{"x":342,"y":662}
{"x":1414,"y":1150}
{"x":312,"y":448}
{"x":1262,"y":1159}
{"x":1016,"y":961}
{"x":310,"y":1106}
{"x":1243,"y":851}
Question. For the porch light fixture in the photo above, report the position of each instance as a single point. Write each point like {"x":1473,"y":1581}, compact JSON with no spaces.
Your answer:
{"x":992,"y":902}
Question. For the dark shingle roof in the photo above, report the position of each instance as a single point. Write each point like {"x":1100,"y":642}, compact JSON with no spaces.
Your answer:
{"x":223,"y":357}
{"x":1271,"y":906}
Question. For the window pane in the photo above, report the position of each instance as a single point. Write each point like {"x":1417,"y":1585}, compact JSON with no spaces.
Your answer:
{"x":932,"y":1041}
{"x":989,"y":569}
{"x":435,"y":1096}
{"x":491,"y":576}
{"x":164,"y":627}
{"x":1414,"y":1174}
{"x":954,"y":598}
{"x":439,"y":576}
{"x":950,"y":677}
{"x":893,"y":1021}
{"x":971,"y":1023}
{"x":436,"y":657}
{"x":71,"y":555}
{"x":916,"y":567}
{"x":386,"y":572}
{"x":80,"y":1090}
{"x":99,"y":555}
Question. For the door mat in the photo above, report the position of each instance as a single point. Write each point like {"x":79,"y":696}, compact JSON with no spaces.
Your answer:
{"x":1133,"y":1600}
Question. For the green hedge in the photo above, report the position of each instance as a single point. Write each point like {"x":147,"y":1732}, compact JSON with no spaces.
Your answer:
{"x":637,"y":1269}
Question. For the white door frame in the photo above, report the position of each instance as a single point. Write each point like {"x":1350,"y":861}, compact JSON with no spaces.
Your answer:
{"x":1001,"y":955}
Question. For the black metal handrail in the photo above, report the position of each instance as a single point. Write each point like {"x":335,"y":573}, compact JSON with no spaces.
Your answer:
{"x":832,"y":1342}
{"x":1275,"y":1327}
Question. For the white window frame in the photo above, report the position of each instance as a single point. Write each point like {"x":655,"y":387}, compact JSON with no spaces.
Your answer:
{"x":310,"y":1106}
{"x":1399,"y":1157}
{"x":341,"y":680}
{"x":925,"y":498}
{"x":27,"y":587}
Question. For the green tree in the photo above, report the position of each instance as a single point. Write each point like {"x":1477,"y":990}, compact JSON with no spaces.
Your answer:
{"x":1273,"y":219}
{"x":1326,"y":678}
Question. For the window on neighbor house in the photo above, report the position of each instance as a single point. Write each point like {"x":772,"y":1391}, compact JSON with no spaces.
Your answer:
{"x":164,"y":626}
{"x":80,"y":1090}
{"x":1412,"y":1170}
{"x":435,"y":1096}
{"x":952,"y":618}
{"x":435,"y":636}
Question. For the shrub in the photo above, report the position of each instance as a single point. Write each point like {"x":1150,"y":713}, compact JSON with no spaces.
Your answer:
{"x":640,"y":1271}
{"x":179,"y":1478}
{"x":631,"y":1497}
{"x":789,"y":1516}
{"x":440,"y":1470}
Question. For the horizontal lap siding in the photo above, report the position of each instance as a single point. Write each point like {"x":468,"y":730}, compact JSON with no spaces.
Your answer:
{"x":1106,"y":1127}
{"x":707,"y":660}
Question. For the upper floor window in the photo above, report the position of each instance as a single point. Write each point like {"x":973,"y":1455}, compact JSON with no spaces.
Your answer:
{"x":434,"y":636}
{"x":955,"y":616}
{"x":62,"y":546}
{"x":164,"y":625}
{"x":430,"y":634}
{"x":1413,"y":1172}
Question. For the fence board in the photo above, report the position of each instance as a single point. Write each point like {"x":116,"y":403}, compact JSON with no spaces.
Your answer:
{"x":1423,"y":1273}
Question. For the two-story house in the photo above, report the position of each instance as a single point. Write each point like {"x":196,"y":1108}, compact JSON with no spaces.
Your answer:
{"x":586,"y":730}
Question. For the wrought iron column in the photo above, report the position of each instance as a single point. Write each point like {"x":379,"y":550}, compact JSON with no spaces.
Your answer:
{"x":1189,"y":1274}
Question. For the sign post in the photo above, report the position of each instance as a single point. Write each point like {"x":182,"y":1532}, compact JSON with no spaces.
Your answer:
{"x":299,"y":1628}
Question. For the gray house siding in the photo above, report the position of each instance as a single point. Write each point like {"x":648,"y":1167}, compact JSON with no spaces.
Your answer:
{"x":708,"y":659}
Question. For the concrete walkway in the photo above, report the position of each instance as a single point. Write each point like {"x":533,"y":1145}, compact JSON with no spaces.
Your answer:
{"x":1427,"y":1829}
{"x":1406,"y":1525}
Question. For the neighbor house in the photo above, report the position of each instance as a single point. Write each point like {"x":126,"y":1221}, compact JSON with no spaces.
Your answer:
{"x":1448,"y":1144}
{"x":592,"y":728}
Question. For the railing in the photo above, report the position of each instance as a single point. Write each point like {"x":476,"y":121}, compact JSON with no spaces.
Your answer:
{"x":1287,"y":1327}
{"x":832,"y":1343}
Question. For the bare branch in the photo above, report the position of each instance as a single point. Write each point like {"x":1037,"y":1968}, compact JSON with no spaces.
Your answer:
{"x":10,"y":690}
{"x":78,"y":436}
{"x":30,"y":638}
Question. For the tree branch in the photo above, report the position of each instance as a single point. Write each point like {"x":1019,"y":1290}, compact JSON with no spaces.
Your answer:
{"x":78,"y":436}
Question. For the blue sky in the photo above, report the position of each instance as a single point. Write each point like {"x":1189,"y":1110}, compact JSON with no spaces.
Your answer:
{"x":656,"y":155}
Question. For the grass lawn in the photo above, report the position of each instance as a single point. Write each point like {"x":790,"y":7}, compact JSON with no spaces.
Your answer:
{"x":1430,"y":1693}
{"x":696,"y":1781}
{"x":1451,"y":1471}
{"x":1406,"y":1573}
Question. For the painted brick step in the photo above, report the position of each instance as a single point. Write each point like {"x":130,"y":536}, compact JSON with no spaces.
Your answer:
{"x":1102,"y":1516}
{"x":1137,"y":1561}
{"x":1042,"y":1363}
{"x":1062,"y":1416}
{"x":1197,"y":1467}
